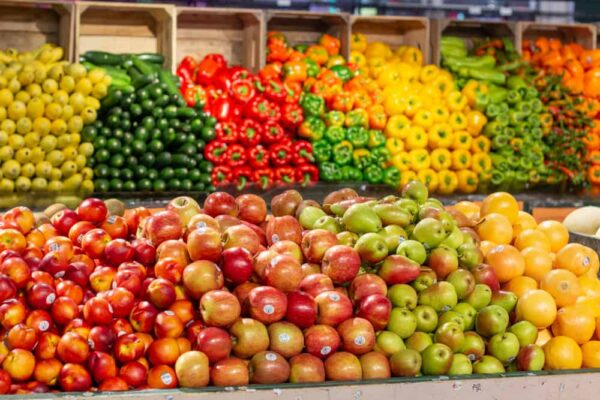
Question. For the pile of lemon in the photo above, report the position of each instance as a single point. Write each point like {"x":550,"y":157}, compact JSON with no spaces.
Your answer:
{"x":44,"y":104}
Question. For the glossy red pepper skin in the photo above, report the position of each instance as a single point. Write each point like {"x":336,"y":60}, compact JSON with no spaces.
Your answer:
{"x":242,"y":176}
{"x":215,"y":152}
{"x":226,"y":131}
{"x":274,"y":90}
{"x":258,"y":157}
{"x":195,"y":94}
{"x":306,"y":174}
{"x":263,"y":177}
{"x":291,"y":116}
{"x":258,"y":109}
{"x":302,"y":152}
{"x":250,"y":133}
{"x":236,"y":156}
{"x":280,"y":154}
{"x":274,"y":112}
{"x":222,"y":80}
{"x":285,"y":175}
{"x":221,"y":108}
{"x":208,"y":68}
{"x":293,"y":91}
{"x":187,"y":70}
{"x":238,"y":73}
{"x":272,"y":132}
{"x":242,"y":91}
{"x":221,"y":175}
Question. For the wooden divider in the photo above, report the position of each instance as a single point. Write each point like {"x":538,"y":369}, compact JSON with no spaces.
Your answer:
{"x":583,"y":34}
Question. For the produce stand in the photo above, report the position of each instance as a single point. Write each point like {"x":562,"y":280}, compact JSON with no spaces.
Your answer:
{"x":584,"y":34}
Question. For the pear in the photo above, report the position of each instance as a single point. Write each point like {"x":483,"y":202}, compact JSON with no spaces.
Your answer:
{"x":360,"y":218}
{"x":441,"y":296}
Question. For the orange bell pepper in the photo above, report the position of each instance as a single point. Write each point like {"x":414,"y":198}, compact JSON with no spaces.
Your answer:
{"x":555,"y":44}
{"x":590,"y":59}
{"x":317,"y":53}
{"x":542,"y":44}
{"x":594,"y":174}
{"x":377,"y":117}
{"x":592,"y":142}
{"x":575,"y":68}
{"x":296,"y":55}
{"x":271,"y":71}
{"x":591,"y":82}
{"x":343,"y":102}
{"x":330,"y":43}
{"x":568,"y":53}
{"x":295,"y":71}
{"x":552,"y":59}
{"x":361,"y":98}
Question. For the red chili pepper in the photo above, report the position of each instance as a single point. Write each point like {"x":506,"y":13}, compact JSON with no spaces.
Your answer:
{"x":272,"y":132}
{"x":215,"y":152}
{"x":258,"y":157}
{"x":258,"y":108}
{"x":208,"y":68}
{"x":241,"y":177}
{"x":302,"y":152}
{"x":250,"y":133}
{"x":236,"y":156}
{"x":307,"y":173}
{"x":226,"y":132}
{"x":195,"y":94}
{"x":187,"y":69}
{"x":221,"y":108}
{"x":284,"y":175}
{"x":263,"y":177}
{"x":280,"y":154}
{"x":242,"y":90}
{"x":221,"y":175}
{"x":291,"y":116}
{"x":275,"y":91}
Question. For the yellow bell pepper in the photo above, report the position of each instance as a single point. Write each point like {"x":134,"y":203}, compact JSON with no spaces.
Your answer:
{"x":408,"y":72}
{"x":417,"y":138}
{"x":458,"y":121}
{"x":400,"y":51}
{"x":413,"y":103}
{"x":358,"y":42}
{"x":431,"y":96}
{"x":423,"y":118}
{"x":419,"y":159}
{"x":461,"y":159}
{"x":401,"y":161}
{"x":440,"y":136}
{"x":441,"y":159}
{"x":462,"y":140}
{"x":481,"y":162}
{"x":476,"y":120}
{"x":448,"y":181}
{"x":357,"y":58}
{"x":444,"y":83}
{"x":456,"y":101}
{"x":336,"y":60}
{"x":430,"y":178}
{"x":398,"y":126}
{"x":470,"y":90}
{"x":429,"y":73}
{"x":375,"y":66}
{"x":388,"y":76}
{"x":394,"y":145}
{"x":378,"y":49}
{"x":413,"y":56}
{"x":467,"y":181}
{"x":481,"y":144}
{"x":407,"y":176}
{"x":440,"y":113}
{"x":394,"y":103}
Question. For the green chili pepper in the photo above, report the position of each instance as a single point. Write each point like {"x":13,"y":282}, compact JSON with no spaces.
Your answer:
{"x":513,"y":97}
{"x":342,"y":153}
{"x":330,"y":172}
{"x":335,"y":118}
{"x":515,"y":82}
{"x":497,"y":94}
{"x":361,"y":158}
{"x":342,"y":72}
{"x":391,"y":176}
{"x":321,"y":151}
{"x":492,"y":110}
{"x":350,"y":173}
{"x":488,"y":75}
{"x":334,"y":134}
{"x":376,"y":138}
{"x":358,"y":136}
{"x":312,"y":105}
{"x":373,"y":174}
{"x":312,"y":128}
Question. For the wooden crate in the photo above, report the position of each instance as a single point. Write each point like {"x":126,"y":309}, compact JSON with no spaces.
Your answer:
{"x":235,"y":33}
{"x":301,"y":27}
{"x":469,"y":30}
{"x":395,"y":31}
{"x":28,"y":24}
{"x":584,"y":34}
{"x":125,"y":28}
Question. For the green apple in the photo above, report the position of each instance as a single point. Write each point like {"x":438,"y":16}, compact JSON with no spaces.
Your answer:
{"x":413,"y":250}
{"x":388,"y":343}
{"x":419,"y":341}
{"x":463,"y":282}
{"x":480,"y":296}
{"x":406,"y":362}
{"x":469,"y":255}
{"x":526,"y":332}
{"x":437,"y":359}
{"x":427,"y":318}
{"x":430,"y":232}
{"x":347,"y":238}
{"x":403,"y":295}
{"x":328,"y":223}
{"x":468,"y":313}
{"x":371,"y":247}
{"x":393,"y":236}
{"x":504,"y":346}
{"x":473,"y":346}
{"x":402,"y":322}
{"x":488,"y":365}
{"x":425,"y":279}
{"x":441,"y":296}
{"x":504,"y":299}
{"x":451,"y":316}
{"x":491,"y":320}
{"x":461,"y":365}
{"x":309,"y":215}
{"x":360,"y":218}
{"x":450,"y":334}
{"x":454,"y":239}
{"x":531,"y":358}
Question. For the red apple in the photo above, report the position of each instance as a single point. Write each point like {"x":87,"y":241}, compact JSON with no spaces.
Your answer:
{"x":46,"y":371}
{"x":226,"y":221}
{"x":215,"y":343}
{"x":8,"y":289}
{"x":230,"y":372}
{"x":162,"y":377}
{"x":201,"y":277}
{"x":321,"y":340}
{"x":121,"y":300}
{"x":129,"y":347}
{"x":97,"y":311}
{"x":115,"y":226}
{"x":185,"y":207}
{"x":161,"y":293}
{"x":316,"y":283}
{"x":129,"y":280}
{"x":268,"y":367}
{"x":237,"y":265}
{"x":284,"y":273}
{"x":118,"y":251}
{"x":375,"y":365}
{"x":343,"y":366}
{"x":21,"y":217}
{"x":40,"y":321}
{"x":316,"y":242}
{"x":202,"y":221}
{"x":220,"y":203}
{"x":285,"y":338}
{"x":145,"y":252}
{"x":92,"y":210}
{"x":168,"y":325}
{"x":102,"y":279}
{"x":74,"y":378}
{"x":358,"y":335}
{"x":252,"y":208}
{"x":102,"y":366}
{"x":163,"y":351}
{"x":64,"y":220}
{"x":249,"y":337}
{"x":283,"y":228}
{"x":267,"y":304}
{"x":102,"y":338}
{"x":204,"y":244}
{"x":94,"y":242}
{"x":64,"y":309}
{"x":46,"y":347}
{"x":41,"y":296}
{"x":485,"y":274}
{"x":241,"y":236}
{"x":142,"y":317}
{"x":17,"y":270}
{"x":376,"y":308}
{"x":333,"y":308}
{"x":162,"y":226}
{"x":341,"y":263}
{"x":21,"y":336}
{"x":192,"y":370}
{"x":306,"y":368}
{"x":170,"y":269}
{"x":219,"y":308}
{"x":301,"y":309}
{"x":113,"y":384}
{"x":78,"y":273}
{"x":262,"y":260}
{"x":72,"y":348}
{"x":134,"y":374}
{"x":364,"y":285}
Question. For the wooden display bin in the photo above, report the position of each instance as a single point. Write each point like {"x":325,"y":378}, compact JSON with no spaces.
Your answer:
{"x":302,"y":27}
{"x":27,"y":24}
{"x":395,"y":31}
{"x":583,"y":34}
{"x":470,"y":30}
{"x":235,"y":33}
{"x":125,"y":28}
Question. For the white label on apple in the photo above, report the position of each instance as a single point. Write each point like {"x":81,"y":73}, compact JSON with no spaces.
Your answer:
{"x":472,"y":357}
{"x":50,"y":298}
{"x":201,"y":224}
{"x":359,"y":340}
{"x":169,"y":312}
{"x":284,"y":338}
{"x":334,"y":296}
{"x":165,"y":377}
{"x":54,"y":247}
{"x":275,"y":238}
{"x":110,"y":308}
{"x":111,"y":219}
{"x":91,"y":344}
{"x":271,"y":357}
{"x":44,"y":325}
{"x":201,"y":229}
{"x":269,"y":309}
{"x":325,"y":350}
{"x":59,"y":274}
{"x":586,"y":261}
{"x":401,"y":239}
{"x":446,"y":308}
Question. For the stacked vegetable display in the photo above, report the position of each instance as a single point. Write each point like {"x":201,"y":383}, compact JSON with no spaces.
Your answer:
{"x":45,"y":103}
{"x":146,"y":139}
{"x":257,"y":120}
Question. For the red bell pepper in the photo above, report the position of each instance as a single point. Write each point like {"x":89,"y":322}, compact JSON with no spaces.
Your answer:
{"x":242,"y":90}
{"x":293,"y":90}
{"x":241,"y":177}
{"x":302,"y":153}
{"x":221,"y":175}
{"x":250,"y":133}
{"x":285,"y":175}
{"x":258,"y":157}
{"x":222,"y":80}
{"x":272,"y":132}
{"x":236,"y":156}
{"x":274,"y":90}
{"x":221,"y":108}
{"x":291,"y":116}
{"x":274,"y":113}
{"x":195,"y":94}
{"x":208,"y":68}
{"x":238,"y":73}
{"x":215,"y":152}
{"x":226,"y":132}
{"x":258,"y":108}
{"x":263,"y":177}
{"x":187,"y":69}
{"x":307,"y":173}
{"x":280,"y":154}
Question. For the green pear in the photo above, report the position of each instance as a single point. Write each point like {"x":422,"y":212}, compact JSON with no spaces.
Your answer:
{"x":388,"y":343}
{"x":347,"y":238}
{"x":392,"y":214}
{"x":360,"y":218}
{"x":455,"y":239}
{"x":393,"y":236}
{"x":480,"y":296}
{"x":410,"y":206}
{"x":419,"y":341}
{"x":415,"y":190}
{"x":468,"y":313}
{"x":309,"y":215}
{"x":441,"y":296}
{"x":430,"y":232}
{"x":461,"y":365}
{"x":328,"y":223}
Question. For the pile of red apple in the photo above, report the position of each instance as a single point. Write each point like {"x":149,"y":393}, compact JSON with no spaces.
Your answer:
{"x":229,"y":295}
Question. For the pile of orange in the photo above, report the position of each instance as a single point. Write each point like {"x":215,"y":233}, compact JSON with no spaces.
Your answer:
{"x":555,"y":281}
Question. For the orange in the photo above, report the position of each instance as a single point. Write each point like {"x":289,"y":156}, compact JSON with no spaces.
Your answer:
{"x":501,"y":203}
{"x":506,"y":261}
{"x":589,"y":286}
{"x":470,"y":209}
{"x":592,"y":272}
{"x":537,"y":262}
{"x":520,"y":285}
{"x":575,"y":258}
{"x":532,"y":238}
{"x":543,"y":336}
{"x":591,"y":305}
{"x":598,"y":328}
{"x":485,"y":246}
{"x":496,"y":228}
{"x":537,"y":307}
{"x":556,"y":232}
{"x":591,"y":354}
{"x":562,"y":353}
{"x":524,"y":221}
{"x":575,"y":323}
{"x":562,"y":285}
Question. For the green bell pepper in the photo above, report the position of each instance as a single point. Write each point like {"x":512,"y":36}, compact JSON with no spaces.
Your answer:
{"x":342,"y":72}
{"x":342,"y":153}
{"x":330,"y":172}
{"x":500,"y":141}
{"x":312,"y":128}
{"x":492,"y":110}
{"x":352,"y":174}
{"x":374,"y":174}
{"x":301,"y":48}
{"x":312,"y":105}
{"x":376,"y":138}
{"x":516,"y":117}
{"x":380,"y":155}
{"x":481,"y":101}
{"x":321,"y":151}
{"x":497,"y":94}
{"x":334,"y":134}
{"x":391,"y":176}
{"x":335,"y":118}
{"x":492,"y":129}
{"x":312,"y":68}
{"x":515,"y":82}
{"x":513,"y":97}
{"x":361,"y":158}
{"x":358,"y":136}
{"x":357,"y":117}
